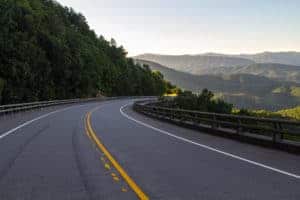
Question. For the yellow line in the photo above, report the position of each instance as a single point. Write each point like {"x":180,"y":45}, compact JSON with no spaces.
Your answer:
{"x":87,"y":132}
{"x":141,"y":195}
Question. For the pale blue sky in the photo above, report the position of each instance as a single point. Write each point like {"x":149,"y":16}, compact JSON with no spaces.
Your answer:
{"x":195,"y":26}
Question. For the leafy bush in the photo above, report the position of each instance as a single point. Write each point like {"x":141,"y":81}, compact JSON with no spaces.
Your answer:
{"x":258,"y":113}
{"x":200,"y":102}
{"x":291,"y":113}
{"x":206,"y":102}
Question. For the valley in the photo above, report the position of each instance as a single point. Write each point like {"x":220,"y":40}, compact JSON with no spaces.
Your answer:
{"x":248,"y":89}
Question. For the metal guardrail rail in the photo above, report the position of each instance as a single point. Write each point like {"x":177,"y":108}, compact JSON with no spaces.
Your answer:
{"x":12,"y":108}
{"x":275,"y":131}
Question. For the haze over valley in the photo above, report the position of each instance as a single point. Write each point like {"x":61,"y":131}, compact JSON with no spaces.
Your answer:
{"x":269,"y":80}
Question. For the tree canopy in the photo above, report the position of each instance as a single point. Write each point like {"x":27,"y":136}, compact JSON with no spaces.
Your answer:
{"x":204,"y":102}
{"x":48,"y":51}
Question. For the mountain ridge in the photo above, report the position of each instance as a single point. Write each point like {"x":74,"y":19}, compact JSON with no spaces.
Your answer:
{"x":212,"y":63}
{"x":282,"y":57}
{"x":243,"y":90}
{"x":195,"y":64}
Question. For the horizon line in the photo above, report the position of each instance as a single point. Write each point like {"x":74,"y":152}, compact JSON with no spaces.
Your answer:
{"x":220,"y":53}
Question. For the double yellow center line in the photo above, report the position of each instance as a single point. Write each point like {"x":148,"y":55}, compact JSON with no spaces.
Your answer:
{"x":141,"y":195}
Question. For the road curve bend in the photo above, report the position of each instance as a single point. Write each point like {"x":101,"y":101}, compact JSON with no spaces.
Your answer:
{"x":105,"y":150}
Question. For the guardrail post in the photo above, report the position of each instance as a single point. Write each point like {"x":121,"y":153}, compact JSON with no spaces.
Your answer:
{"x":238,"y":128}
{"x":168,"y":114}
{"x":275,"y":129}
{"x":214,"y":123}
{"x":195,"y":120}
{"x":172,"y":114}
{"x":277,"y":136}
{"x":179,"y":117}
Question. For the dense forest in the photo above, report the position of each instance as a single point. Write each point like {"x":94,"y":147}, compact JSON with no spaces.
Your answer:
{"x":48,"y":51}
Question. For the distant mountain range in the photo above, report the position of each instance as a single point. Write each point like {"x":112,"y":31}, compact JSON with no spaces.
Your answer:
{"x":244,"y":90}
{"x":270,"y":70}
{"x":283,"y":66}
{"x":287,"y":58}
{"x":196,"y":64}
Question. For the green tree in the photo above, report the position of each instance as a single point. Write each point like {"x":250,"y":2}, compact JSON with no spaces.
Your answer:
{"x":202,"y":102}
{"x":49,"y":52}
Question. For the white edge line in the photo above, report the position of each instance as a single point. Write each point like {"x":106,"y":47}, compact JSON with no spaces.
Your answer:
{"x":3,"y":135}
{"x":207,"y":147}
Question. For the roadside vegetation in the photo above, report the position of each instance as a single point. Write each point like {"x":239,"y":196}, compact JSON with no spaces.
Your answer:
{"x":206,"y":101}
{"x":291,"y":113}
{"x":48,"y":51}
{"x":244,"y":90}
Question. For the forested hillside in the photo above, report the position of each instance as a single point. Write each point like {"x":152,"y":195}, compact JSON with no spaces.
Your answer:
{"x":196,"y":64}
{"x":275,"y":71}
{"x":242,"y":90}
{"x":270,"y":65}
{"x":259,"y":81}
{"x":49,"y":52}
{"x":288,"y":58}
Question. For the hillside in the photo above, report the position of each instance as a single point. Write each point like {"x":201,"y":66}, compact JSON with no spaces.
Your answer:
{"x":271,"y":70}
{"x":270,"y":65}
{"x":243,"y":90}
{"x":292,"y":113}
{"x":287,"y":58}
{"x":49,"y":52}
{"x":195,"y":64}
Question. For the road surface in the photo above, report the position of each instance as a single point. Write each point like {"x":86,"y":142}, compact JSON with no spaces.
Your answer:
{"x":53,"y":154}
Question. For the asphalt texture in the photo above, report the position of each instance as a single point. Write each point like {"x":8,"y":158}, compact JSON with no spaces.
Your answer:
{"x":53,"y":158}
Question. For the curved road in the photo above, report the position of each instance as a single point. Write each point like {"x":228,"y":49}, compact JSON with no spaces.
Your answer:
{"x":53,"y":154}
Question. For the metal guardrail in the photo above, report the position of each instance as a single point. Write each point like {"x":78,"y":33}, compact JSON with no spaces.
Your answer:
{"x":12,"y":108}
{"x":275,"y":131}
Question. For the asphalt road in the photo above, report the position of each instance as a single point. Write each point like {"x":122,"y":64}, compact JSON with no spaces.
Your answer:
{"x":50,"y":154}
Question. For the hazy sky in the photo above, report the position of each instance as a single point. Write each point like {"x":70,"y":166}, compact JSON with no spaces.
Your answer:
{"x":195,"y":26}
